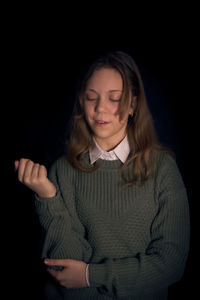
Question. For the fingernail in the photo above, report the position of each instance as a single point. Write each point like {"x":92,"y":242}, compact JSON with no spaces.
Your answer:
{"x":46,"y":261}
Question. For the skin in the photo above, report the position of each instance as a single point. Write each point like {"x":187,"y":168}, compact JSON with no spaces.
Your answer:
{"x":34,"y":176}
{"x":102,"y":97}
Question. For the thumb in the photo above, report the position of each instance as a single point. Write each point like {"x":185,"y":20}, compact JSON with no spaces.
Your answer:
{"x":16,"y":164}
{"x":57,"y":262}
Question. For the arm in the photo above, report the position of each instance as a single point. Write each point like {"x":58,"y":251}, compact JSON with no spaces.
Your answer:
{"x":164,"y":260}
{"x":63,"y":232}
{"x":61,"y":239}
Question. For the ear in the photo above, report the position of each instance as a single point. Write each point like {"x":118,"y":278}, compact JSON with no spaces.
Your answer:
{"x":133,"y":105}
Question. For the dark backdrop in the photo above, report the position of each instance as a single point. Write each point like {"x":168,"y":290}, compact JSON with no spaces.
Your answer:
{"x":42,"y":69}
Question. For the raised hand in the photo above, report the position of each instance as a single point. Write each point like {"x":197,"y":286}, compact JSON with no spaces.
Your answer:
{"x":34,"y":176}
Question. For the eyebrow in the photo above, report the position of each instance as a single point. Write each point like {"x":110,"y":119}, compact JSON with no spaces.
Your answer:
{"x":110,"y":91}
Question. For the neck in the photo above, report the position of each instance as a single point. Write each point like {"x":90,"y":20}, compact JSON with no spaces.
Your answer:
{"x":108,"y":145}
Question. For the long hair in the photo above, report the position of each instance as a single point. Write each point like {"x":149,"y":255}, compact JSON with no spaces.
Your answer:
{"x":140,"y":128}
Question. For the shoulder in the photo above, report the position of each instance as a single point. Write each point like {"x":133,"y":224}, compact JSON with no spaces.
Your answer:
{"x":167,"y":171}
{"x":61,"y":168}
{"x":60,"y":162}
{"x":164,"y":159}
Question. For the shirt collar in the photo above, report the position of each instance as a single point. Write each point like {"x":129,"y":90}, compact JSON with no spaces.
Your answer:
{"x":121,"y":152}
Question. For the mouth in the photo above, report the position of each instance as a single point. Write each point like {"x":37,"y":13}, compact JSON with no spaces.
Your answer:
{"x":101,"y":122}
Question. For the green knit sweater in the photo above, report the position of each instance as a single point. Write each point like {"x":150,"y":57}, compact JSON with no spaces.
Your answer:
{"x":136,"y":239}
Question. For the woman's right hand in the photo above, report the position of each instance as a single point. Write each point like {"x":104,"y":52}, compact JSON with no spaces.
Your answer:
{"x":34,"y":176}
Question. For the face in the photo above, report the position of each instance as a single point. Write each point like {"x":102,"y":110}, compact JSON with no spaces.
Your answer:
{"x":101,"y":100}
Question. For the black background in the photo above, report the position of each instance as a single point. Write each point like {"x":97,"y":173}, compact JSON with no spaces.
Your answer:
{"x":44,"y":55}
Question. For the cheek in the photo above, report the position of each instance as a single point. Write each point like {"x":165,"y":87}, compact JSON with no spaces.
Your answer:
{"x":113,"y":111}
{"x":88,"y":110}
{"x":123,"y":121}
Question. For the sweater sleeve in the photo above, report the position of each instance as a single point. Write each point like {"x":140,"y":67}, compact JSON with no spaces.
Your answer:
{"x":164,"y":260}
{"x":63,"y":234}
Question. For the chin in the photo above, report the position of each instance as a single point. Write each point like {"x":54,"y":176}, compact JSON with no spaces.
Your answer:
{"x":101,"y":136}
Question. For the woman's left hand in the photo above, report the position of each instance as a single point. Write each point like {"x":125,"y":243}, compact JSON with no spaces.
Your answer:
{"x":72,"y":275}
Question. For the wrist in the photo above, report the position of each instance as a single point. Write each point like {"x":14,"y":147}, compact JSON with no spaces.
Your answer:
{"x":46,"y":195}
{"x":50,"y":193}
{"x":87,"y":275}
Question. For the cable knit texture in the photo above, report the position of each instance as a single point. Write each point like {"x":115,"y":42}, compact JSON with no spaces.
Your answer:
{"x":135,"y":239}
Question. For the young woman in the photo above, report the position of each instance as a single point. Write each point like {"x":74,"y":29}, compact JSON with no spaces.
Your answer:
{"x":114,"y":209}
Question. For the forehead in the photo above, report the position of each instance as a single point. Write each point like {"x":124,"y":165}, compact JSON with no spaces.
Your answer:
{"x":105,"y":79}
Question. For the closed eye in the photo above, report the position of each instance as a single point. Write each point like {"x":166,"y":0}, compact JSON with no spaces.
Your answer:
{"x":91,"y":99}
{"x":115,"y":100}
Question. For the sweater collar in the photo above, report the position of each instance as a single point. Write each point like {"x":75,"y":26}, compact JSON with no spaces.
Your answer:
{"x":121,"y":152}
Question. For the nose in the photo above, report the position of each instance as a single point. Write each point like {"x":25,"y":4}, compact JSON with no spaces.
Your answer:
{"x":100,"y":105}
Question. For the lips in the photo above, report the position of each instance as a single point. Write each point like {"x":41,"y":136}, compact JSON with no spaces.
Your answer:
{"x":101,"y":122}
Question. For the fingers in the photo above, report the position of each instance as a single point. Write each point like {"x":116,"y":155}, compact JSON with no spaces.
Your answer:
{"x":42,"y":172}
{"x":57,"y":262}
{"x":71,"y":276}
{"x":21,"y":169}
{"x":57,"y":274}
{"x":34,"y":176}
{"x":29,"y":171}
{"x":16,"y":164}
{"x":35,"y":171}
{"x":55,"y":265}
{"x":27,"y":176}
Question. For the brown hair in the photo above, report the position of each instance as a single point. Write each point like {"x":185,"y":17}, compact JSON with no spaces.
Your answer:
{"x":140,"y":128}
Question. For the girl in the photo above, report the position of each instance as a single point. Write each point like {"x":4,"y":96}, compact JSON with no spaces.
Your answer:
{"x":114,"y":209}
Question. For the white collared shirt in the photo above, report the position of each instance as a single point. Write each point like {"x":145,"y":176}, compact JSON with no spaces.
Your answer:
{"x":121,"y":152}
